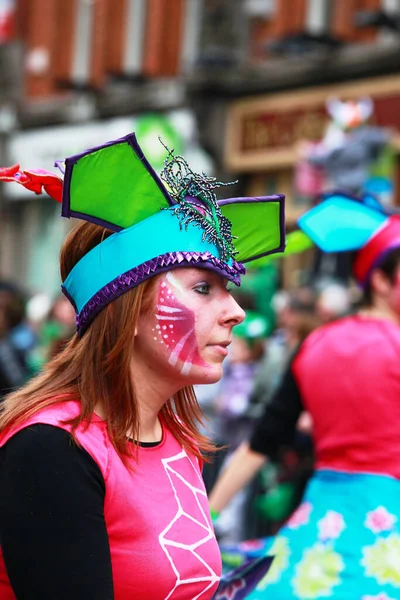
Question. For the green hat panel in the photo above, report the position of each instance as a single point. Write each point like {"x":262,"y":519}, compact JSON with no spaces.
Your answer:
{"x":257,"y":225}
{"x":113,"y":185}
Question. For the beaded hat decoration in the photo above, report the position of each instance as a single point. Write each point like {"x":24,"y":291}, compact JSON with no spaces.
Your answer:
{"x":196,"y":202}
{"x":158,"y":226}
{"x":342,"y":223}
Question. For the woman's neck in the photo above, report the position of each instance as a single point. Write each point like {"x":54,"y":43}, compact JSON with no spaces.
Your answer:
{"x":150,"y":399}
{"x":380,"y":312}
{"x":150,"y":429}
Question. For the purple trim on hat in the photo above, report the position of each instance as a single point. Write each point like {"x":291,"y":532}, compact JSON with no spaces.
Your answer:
{"x":69,"y":163}
{"x":72,"y":160}
{"x":95,"y":220}
{"x":155,"y":266}
{"x":250,"y":200}
{"x":60,"y":165}
{"x":65,"y":202}
{"x":280,"y":198}
{"x":282,"y":224}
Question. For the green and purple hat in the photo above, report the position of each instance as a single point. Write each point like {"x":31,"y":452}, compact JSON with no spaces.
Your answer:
{"x":160,"y":224}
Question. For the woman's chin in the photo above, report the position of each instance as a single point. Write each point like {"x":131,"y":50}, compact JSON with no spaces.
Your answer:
{"x":201,"y":375}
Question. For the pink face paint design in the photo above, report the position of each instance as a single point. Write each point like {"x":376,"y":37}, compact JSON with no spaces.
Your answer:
{"x":176,"y":330}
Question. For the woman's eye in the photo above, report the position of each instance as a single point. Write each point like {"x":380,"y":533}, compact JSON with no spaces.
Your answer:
{"x":203,"y":288}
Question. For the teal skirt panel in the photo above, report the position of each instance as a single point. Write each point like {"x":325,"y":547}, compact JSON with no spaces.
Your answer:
{"x":342,"y":542}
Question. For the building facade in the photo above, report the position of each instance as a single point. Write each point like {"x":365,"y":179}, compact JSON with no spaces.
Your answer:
{"x":236,"y":83}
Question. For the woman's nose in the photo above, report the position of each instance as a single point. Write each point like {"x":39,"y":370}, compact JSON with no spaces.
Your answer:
{"x":234,"y":313}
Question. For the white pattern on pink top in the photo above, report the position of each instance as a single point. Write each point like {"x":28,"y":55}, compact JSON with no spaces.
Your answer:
{"x":200,"y":534}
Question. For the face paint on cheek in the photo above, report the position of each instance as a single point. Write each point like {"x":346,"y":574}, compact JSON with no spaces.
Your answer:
{"x":176,"y":330}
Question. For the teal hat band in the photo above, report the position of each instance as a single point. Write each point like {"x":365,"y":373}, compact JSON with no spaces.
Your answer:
{"x":158,"y":243}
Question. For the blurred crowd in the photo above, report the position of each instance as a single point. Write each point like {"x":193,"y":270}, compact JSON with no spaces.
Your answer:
{"x":262,"y":348}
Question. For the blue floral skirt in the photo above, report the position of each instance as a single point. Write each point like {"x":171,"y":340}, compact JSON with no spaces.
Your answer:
{"x":342,"y":542}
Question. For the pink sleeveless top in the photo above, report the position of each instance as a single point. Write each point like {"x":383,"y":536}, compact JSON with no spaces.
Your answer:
{"x":161,"y":538}
{"x":348,"y":374}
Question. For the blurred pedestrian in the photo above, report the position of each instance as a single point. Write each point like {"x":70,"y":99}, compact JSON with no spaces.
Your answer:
{"x":245,"y":356}
{"x":13,"y":366}
{"x":122,"y":514}
{"x":235,"y":413}
{"x":55,"y":324}
{"x":296,"y":316}
{"x":344,"y":539}
{"x":282,"y":482}
{"x":334,"y":301}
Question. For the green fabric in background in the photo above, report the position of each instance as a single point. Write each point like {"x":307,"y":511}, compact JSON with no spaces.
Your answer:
{"x":296,"y":242}
{"x":261,"y":285}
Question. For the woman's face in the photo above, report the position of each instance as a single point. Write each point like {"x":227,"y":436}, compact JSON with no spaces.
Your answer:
{"x":188,"y":329}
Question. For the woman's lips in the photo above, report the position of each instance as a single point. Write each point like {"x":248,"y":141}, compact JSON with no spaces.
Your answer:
{"x":221,"y":349}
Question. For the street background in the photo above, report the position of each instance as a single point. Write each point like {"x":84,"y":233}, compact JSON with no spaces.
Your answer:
{"x":277,"y":96}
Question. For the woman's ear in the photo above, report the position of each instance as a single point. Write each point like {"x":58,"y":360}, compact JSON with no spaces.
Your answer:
{"x":380,"y":283}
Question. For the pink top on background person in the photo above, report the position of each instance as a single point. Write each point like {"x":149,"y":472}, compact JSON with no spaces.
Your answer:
{"x":353,"y":431}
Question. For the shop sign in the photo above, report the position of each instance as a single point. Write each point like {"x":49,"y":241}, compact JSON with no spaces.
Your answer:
{"x":263,"y":132}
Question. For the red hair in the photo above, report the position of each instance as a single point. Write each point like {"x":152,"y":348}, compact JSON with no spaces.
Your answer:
{"x":96,"y":367}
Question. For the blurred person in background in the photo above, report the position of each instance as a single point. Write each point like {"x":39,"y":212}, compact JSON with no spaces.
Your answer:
{"x":299,"y":316}
{"x":60,"y":325}
{"x":235,"y":415}
{"x":343,"y":541}
{"x":207,"y":397}
{"x":295,"y":317}
{"x":281,"y":484}
{"x":263,"y":506}
{"x":334,"y":301}
{"x":15,"y":339}
{"x":54,"y":322}
{"x":237,"y":384}
{"x":122,"y":514}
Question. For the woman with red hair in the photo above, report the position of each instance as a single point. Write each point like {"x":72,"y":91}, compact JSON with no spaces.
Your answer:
{"x":101,"y":494}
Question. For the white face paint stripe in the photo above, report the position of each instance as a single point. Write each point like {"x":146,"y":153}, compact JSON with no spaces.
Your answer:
{"x":174,"y":281}
{"x":186,"y":368}
{"x":162,"y":318}
{"x":173,"y":359}
{"x":188,"y":362}
{"x":168,"y":309}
